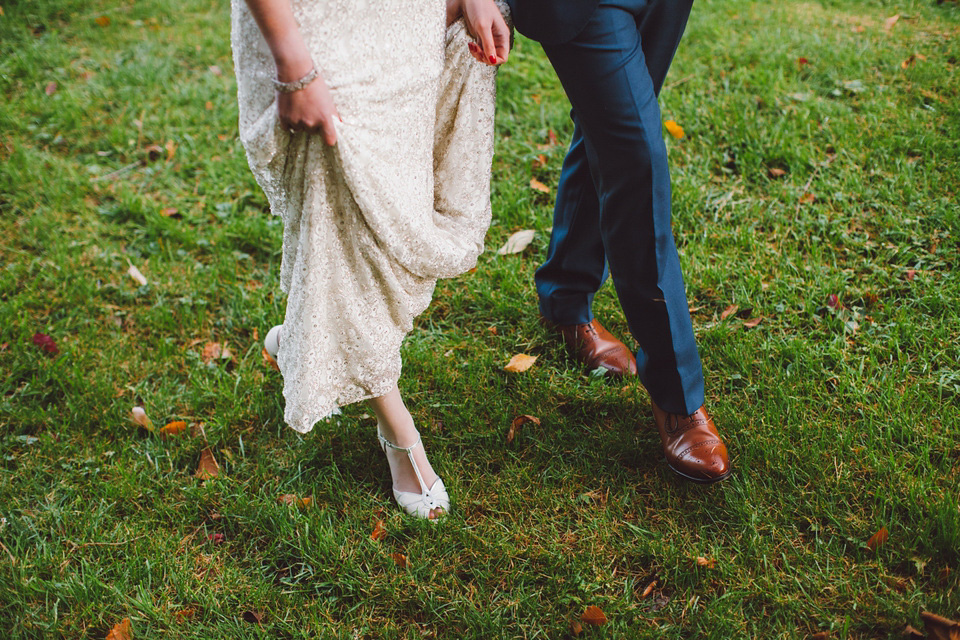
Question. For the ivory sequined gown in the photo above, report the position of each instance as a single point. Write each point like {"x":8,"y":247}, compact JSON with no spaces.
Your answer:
{"x":401,"y":200}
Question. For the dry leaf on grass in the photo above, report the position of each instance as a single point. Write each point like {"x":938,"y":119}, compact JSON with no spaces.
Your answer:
{"x":139,"y":416}
{"x":593,"y":616}
{"x":536,"y":185}
{"x":940,"y":628}
{"x":709,"y":563}
{"x":215,"y":351}
{"x":517,"y":423}
{"x":269,"y":359}
{"x":379,"y":531}
{"x":400,"y":560}
{"x":807,"y":198}
{"x":890,"y":22}
{"x":776,"y":173}
{"x":45,"y":342}
{"x":208,"y":467}
{"x":729,"y":311}
{"x":121,"y":631}
{"x":138,"y":277}
{"x":520,"y":363}
{"x":517,"y":242}
{"x":174,"y":428}
{"x":575,"y":627}
{"x":50,"y":89}
{"x":752,"y":323}
{"x":878,"y":539}
{"x":820,"y":635}
{"x":293,"y":500}
{"x":648,"y":589}
{"x":253,"y":616}
{"x":674,"y":129}
{"x":103,"y":21}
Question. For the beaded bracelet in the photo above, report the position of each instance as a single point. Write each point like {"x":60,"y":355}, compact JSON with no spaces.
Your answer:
{"x":296,"y":85}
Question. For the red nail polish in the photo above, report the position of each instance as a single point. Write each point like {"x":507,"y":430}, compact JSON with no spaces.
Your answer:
{"x":493,"y":60}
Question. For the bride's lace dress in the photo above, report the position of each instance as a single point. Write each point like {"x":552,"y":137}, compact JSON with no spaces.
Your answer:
{"x":401,"y":200}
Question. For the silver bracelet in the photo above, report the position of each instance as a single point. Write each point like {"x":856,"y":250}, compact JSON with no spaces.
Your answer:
{"x":296,"y":85}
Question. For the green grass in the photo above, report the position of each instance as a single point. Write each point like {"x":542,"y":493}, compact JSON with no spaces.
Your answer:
{"x":841,"y":419}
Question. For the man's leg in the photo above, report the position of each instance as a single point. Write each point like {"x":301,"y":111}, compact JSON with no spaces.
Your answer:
{"x":605,"y":73}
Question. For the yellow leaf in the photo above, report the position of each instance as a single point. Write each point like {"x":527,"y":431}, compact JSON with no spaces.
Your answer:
{"x":520,"y":363}
{"x":674,"y":129}
{"x":208,"y":467}
{"x":517,"y":242}
{"x":539,"y":186}
{"x":121,"y":631}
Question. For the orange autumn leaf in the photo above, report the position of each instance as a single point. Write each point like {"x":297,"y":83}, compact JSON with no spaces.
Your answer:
{"x":536,"y":185}
{"x":753,"y":322}
{"x":400,"y":560}
{"x":729,"y":311}
{"x":807,"y":198}
{"x":878,"y":539}
{"x":121,"y":631}
{"x":709,"y":563}
{"x":520,"y":363}
{"x":174,"y":428}
{"x":575,"y":627}
{"x":103,"y":21}
{"x":208,"y":467}
{"x":594,"y":616}
{"x":269,"y":359}
{"x":674,"y":129}
{"x":379,"y":531}
{"x":648,"y":590}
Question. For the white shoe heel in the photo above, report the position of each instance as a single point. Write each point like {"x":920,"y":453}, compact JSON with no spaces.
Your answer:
{"x":272,"y":341}
{"x":418,"y":504}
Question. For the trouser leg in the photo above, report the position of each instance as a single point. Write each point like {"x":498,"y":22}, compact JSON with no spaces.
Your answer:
{"x":612,"y":84}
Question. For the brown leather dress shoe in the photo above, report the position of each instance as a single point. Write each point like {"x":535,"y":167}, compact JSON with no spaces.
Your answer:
{"x":592,"y":345}
{"x":692,"y":445}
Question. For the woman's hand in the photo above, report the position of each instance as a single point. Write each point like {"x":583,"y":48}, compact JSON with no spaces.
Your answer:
{"x":488,"y":28}
{"x":310,"y":109}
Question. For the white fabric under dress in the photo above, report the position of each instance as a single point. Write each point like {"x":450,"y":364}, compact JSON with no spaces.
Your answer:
{"x":401,"y":200}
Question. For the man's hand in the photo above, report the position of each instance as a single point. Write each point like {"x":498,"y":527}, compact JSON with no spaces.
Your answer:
{"x":488,"y":28}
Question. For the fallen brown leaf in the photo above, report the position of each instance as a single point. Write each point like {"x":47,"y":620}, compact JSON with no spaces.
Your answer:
{"x":171,"y":148}
{"x":103,"y":21}
{"x":912,"y":634}
{"x":911,"y":274}
{"x":729,"y":311}
{"x":552,"y":138}
{"x":648,"y":589}
{"x":400,"y":560}
{"x":774,"y":172}
{"x":536,"y":185}
{"x":940,"y":628}
{"x":890,"y":22}
{"x":753,"y":322}
{"x":121,"y":631}
{"x":170,"y":212}
{"x":517,"y":242}
{"x":379,"y":531}
{"x":174,"y":428}
{"x":807,"y":198}
{"x":517,"y":423}
{"x":188,"y":613}
{"x":208,"y":467}
{"x":709,"y":563}
{"x":269,"y":359}
{"x":575,"y":627}
{"x":293,"y":500}
{"x":878,"y":539}
{"x":50,"y":89}
{"x":820,"y":635}
{"x":253,"y":616}
{"x":539,"y":162}
{"x":520,"y":363}
{"x":593,"y":616}
{"x":215,"y":351}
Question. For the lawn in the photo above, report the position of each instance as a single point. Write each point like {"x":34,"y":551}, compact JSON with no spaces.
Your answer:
{"x":816,"y":211}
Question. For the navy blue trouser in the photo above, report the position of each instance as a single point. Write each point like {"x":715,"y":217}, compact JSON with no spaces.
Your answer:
{"x":613,"y":200}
